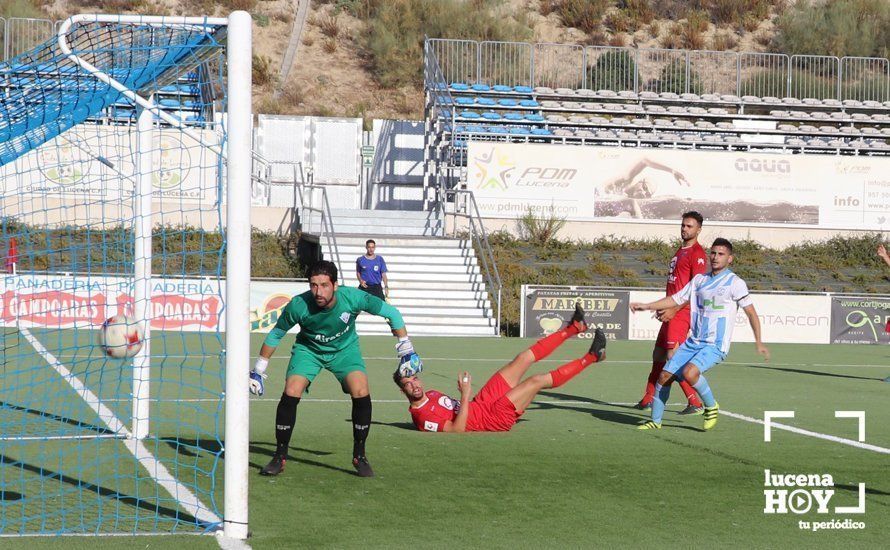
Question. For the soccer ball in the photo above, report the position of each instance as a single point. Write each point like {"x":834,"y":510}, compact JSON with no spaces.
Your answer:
{"x":410,"y":365}
{"x":120,"y":337}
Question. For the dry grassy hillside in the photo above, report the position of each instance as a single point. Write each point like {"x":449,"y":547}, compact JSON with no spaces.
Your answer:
{"x":362,"y":58}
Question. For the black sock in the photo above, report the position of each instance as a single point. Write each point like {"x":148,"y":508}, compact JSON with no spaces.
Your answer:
{"x":361,"y":424}
{"x":285,"y":418}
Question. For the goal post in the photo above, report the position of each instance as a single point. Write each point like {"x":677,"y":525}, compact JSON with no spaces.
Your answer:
{"x":125,"y":173}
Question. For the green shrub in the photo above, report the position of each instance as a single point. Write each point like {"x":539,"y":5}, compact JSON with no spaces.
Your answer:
{"x":540,"y":230}
{"x":613,"y":70}
{"x":673,"y":78}
{"x":20,"y":8}
{"x":837,"y":27}
{"x":584,"y":15}
{"x":396,"y":30}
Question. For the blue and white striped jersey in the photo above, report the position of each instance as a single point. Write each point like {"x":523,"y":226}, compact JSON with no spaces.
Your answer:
{"x":714,"y":301}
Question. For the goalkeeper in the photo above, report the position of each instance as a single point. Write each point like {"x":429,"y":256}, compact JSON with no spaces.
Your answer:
{"x":327,"y":340}
{"x":504,"y":398}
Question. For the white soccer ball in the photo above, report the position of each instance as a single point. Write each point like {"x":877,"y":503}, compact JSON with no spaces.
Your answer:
{"x":410,"y":365}
{"x":120,"y":337}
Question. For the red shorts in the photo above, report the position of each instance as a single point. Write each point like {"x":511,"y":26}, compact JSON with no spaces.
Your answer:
{"x":888,"y":325}
{"x":674,"y":332}
{"x":491,"y":410}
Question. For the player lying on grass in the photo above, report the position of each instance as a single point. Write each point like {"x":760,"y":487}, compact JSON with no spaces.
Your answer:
{"x":327,"y":340}
{"x":714,"y":299}
{"x":503,"y":399}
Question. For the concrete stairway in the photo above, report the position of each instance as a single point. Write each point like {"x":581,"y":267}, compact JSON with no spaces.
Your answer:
{"x":381,"y":222}
{"x":435,"y":283}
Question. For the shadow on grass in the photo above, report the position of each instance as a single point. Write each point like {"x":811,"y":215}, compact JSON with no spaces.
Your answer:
{"x":268,"y":449}
{"x":810,"y":372}
{"x":615,"y":417}
{"x":56,"y":417}
{"x":401,"y":425}
{"x":87,"y":487}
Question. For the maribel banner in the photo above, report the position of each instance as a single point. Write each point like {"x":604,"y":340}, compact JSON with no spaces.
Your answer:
{"x":509,"y":180}
{"x":547,"y":309}
{"x":860,"y":320}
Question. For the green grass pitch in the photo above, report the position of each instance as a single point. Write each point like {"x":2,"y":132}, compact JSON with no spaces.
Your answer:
{"x":573,"y":472}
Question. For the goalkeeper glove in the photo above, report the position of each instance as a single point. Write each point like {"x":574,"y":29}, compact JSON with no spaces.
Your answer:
{"x":257,"y":375}
{"x":404,"y":347}
{"x":410,"y":365}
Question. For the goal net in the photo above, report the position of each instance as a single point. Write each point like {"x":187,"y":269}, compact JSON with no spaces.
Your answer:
{"x":116,"y":188}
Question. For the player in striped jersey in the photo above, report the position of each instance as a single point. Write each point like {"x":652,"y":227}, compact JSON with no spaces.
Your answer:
{"x":714,"y":299}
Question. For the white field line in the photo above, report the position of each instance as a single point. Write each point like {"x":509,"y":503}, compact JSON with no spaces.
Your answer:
{"x":64,"y":535}
{"x":59,"y":437}
{"x":801,"y":431}
{"x":158,"y":471}
{"x":775,"y":425}
{"x":504,"y":362}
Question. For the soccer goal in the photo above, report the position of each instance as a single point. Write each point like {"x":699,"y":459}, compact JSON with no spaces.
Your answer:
{"x":125,"y":161}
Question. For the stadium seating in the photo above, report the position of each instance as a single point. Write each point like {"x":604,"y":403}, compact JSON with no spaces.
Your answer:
{"x":659,"y":119}
{"x":182,"y":99}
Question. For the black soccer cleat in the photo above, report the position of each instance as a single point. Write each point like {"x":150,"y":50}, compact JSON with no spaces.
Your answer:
{"x":598,"y":346}
{"x":274,"y":467}
{"x":578,"y":318}
{"x":361,"y":465}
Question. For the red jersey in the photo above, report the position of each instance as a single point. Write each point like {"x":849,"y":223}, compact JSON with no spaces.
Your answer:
{"x":435,"y":412}
{"x":686,"y":264}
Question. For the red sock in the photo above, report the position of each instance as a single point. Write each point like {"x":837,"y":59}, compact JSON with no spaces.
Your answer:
{"x":568,"y":371}
{"x":657,"y":367}
{"x":545,"y":346}
{"x":691,"y":395}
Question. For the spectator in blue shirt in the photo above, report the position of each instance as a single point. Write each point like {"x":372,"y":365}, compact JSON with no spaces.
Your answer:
{"x":371,"y":272}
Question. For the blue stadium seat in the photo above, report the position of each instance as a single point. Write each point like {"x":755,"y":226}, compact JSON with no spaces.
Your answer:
{"x":514,"y":116}
{"x":461,"y":100}
{"x":469,"y":114}
{"x":486,"y":101}
{"x":529,"y":103}
{"x":172,"y":103}
{"x":459,"y":86}
{"x":491,"y":116}
{"x":480,"y":88}
{"x":534,"y":117}
{"x":474,"y":129}
{"x":508,"y":102}
{"x":522,"y":89}
{"x":501,"y":88}
{"x":518,"y":131}
{"x":498,"y":130}
{"x":541,"y":132}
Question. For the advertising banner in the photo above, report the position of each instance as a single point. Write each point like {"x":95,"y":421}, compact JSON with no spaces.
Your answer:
{"x":547,"y":309}
{"x":860,"y":320}
{"x":267,"y":301}
{"x":784,"y":318}
{"x":510,"y":180}
{"x":99,"y":163}
{"x":85,"y":302}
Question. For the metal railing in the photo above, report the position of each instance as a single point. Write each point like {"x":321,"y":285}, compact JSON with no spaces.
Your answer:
{"x":303,"y":205}
{"x":464,"y":206}
{"x":660,"y":70}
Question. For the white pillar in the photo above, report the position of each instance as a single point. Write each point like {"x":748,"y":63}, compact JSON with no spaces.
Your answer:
{"x":240,"y":128}
{"x":142,"y":279}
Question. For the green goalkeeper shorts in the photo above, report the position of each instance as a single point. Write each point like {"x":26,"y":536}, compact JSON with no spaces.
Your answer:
{"x":308,"y":364}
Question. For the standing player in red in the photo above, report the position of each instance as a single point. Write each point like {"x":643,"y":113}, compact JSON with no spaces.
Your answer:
{"x":689,"y":261}
{"x":503,"y":399}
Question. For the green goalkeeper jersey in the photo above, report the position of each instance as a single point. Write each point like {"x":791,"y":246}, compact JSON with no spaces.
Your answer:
{"x":330,"y":330}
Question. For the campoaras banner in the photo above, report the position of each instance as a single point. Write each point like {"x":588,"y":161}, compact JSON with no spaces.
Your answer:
{"x":85,"y":302}
{"x":618,"y":183}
